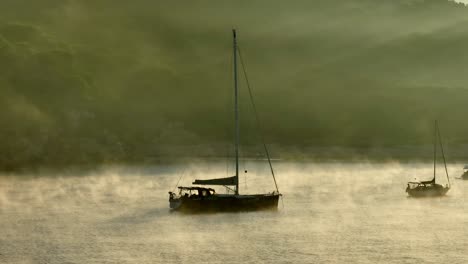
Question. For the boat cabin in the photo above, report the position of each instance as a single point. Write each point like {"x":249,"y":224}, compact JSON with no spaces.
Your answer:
{"x":413,"y":185}
{"x":424,"y":185}
{"x":193,"y":192}
{"x":464,"y":176}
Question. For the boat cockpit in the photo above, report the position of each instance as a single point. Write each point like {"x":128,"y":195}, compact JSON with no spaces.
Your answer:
{"x":465,"y":169}
{"x":192,"y":192}
{"x":413,"y":185}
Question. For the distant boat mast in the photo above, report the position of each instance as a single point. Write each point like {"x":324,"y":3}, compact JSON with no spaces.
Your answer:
{"x":439,"y":138}
{"x":435,"y":148}
{"x":236,"y":110}
{"x":443,"y":154}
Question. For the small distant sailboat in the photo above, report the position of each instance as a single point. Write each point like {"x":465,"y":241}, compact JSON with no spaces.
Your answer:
{"x":431,"y":188}
{"x":464,"y":176}
{"x":201,"y":199}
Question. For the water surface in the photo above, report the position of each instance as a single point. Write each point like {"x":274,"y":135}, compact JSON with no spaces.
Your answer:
{"x":333,"y":213}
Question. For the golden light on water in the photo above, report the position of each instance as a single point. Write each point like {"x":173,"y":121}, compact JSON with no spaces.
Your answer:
{"x":333,"y":212}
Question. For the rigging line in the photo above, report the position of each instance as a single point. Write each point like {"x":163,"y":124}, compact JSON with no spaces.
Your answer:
{"x":228,"y":113}
{"x":435,"y":148}
{"x":180,"y":178}
{"x":242,"y":162}
{"x":257,"y":119}
{"x":443,"y":155}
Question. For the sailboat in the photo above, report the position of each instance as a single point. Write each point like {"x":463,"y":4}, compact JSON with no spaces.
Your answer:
{"x":464,"y":176}
{"x":431,"y":188}
{"x":203,"y":199}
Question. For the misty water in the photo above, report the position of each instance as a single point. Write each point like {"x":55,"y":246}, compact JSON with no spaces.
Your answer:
{"x":332,"y":213}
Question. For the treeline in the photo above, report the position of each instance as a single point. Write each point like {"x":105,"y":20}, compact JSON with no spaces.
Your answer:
{"x":90,"y":82}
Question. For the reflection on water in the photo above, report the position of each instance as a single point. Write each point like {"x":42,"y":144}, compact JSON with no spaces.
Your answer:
{"x":333,"y":213}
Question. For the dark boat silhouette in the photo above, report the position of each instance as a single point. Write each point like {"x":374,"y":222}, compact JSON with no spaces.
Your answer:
{"x":430,"y":188}
{"x":201,"y":199}
{"x":464,"y":176}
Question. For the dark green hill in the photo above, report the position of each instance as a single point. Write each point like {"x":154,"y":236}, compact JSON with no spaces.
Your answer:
{"x":122,"y":81}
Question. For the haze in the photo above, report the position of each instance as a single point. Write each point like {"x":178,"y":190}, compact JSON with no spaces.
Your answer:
{"x":116,"y":81}
{"x":332,"y":213}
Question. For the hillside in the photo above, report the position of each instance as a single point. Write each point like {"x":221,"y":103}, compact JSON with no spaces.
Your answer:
{"x":117,"y":81}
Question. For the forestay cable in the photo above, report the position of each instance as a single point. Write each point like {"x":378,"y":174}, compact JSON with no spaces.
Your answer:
{"x":443,"y":155}
{"x":257,"y":119}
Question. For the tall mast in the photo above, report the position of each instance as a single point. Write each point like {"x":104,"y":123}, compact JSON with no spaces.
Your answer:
{"x":443,"y":155}
{"x":435,"y":148}
{"x":236,"y":110}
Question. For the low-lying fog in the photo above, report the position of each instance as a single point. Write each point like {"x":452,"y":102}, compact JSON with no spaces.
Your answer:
{"x":332,"y":213}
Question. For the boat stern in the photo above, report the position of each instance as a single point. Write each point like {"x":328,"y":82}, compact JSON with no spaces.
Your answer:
{"x":174,"y":201}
